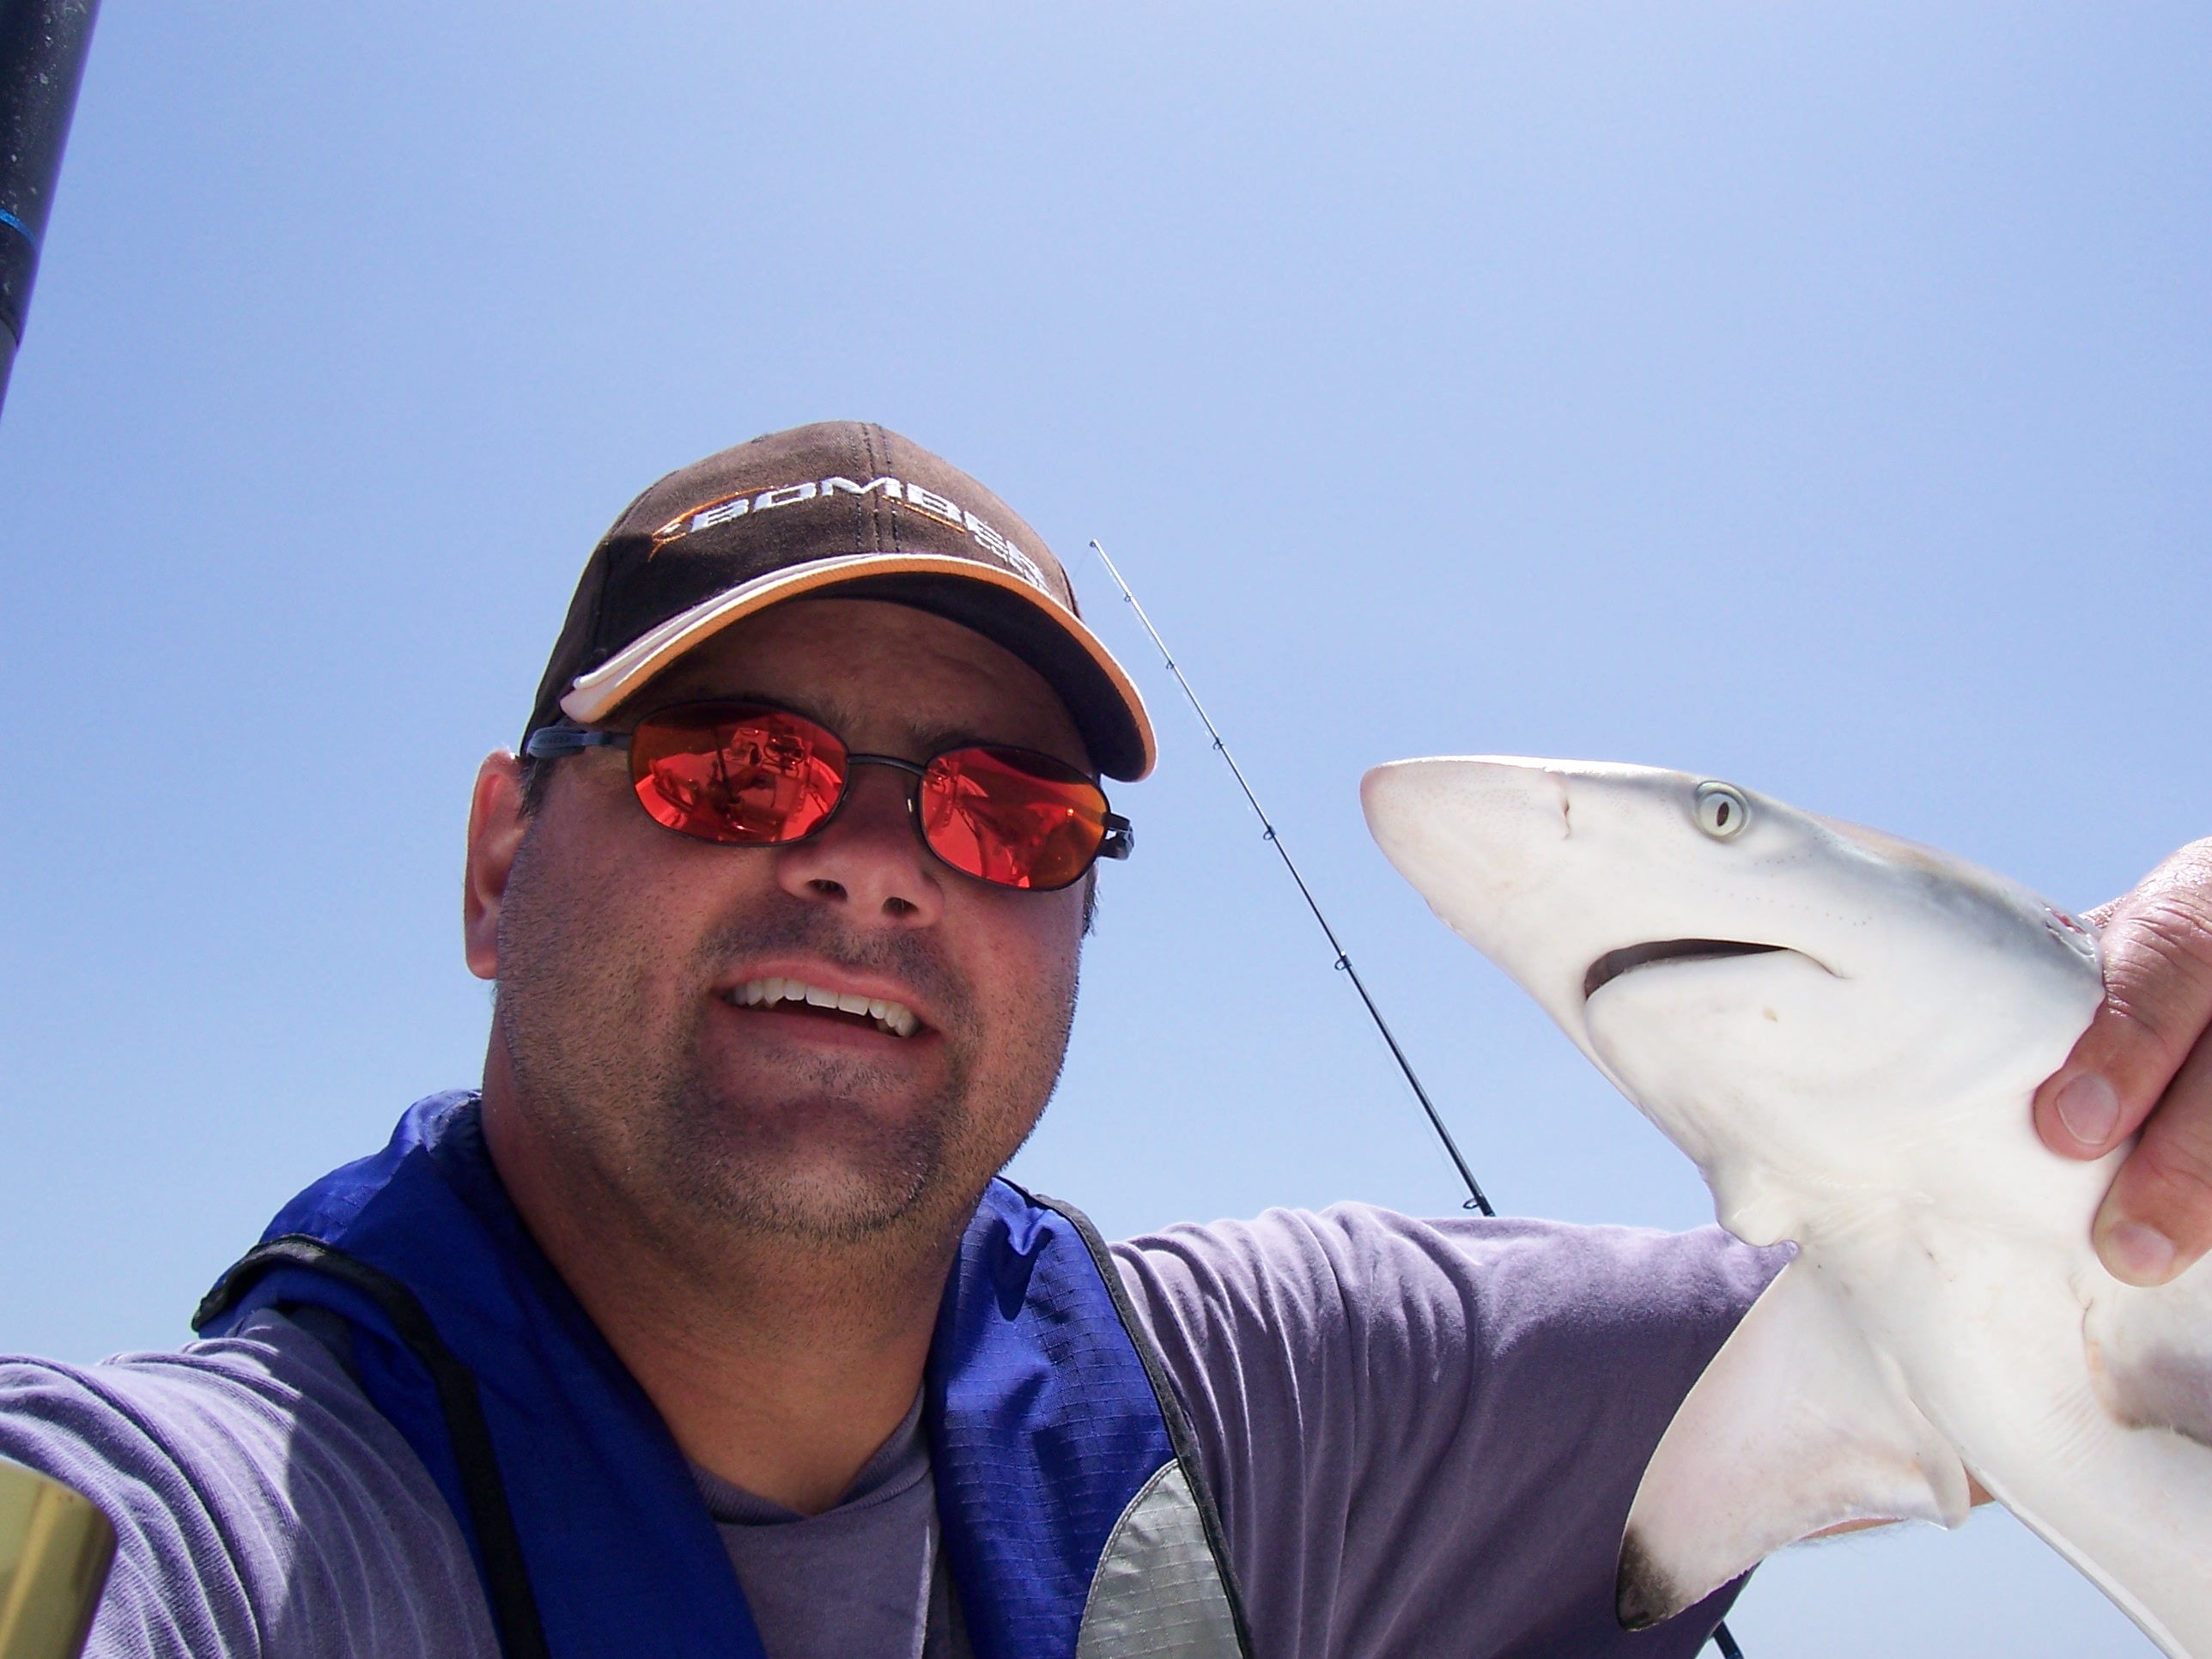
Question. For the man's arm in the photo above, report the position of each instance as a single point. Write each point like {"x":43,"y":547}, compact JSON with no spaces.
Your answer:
{"x":2145,"y":1063}
{"x":1424,"y":1436}
{"x":263,"y":1508}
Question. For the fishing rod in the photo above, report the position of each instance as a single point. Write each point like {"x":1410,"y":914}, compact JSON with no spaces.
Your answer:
{"x":1475,"y":1199}
{"x":42,"y":48}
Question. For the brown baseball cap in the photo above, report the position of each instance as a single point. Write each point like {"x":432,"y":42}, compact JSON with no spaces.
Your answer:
{"x":837,"y":509}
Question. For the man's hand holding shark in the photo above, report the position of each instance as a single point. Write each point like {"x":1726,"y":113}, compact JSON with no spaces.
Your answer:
{"x":2145,"y":1064}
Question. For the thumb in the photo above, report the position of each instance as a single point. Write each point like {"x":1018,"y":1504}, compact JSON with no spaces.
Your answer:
{"x":2139,"y":1067}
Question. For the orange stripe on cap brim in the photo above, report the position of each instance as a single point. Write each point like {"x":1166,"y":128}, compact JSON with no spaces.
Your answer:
{"x":592,"y":697}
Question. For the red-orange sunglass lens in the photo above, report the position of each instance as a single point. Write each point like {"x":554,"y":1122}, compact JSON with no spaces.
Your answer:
{"x":1012,"y":816}
{"x":743,"y":776}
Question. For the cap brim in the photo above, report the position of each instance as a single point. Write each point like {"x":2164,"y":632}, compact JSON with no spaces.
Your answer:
{"x":998,"y":605}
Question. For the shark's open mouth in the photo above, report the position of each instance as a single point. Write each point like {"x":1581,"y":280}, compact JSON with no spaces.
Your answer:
{"x":1613,"y":963}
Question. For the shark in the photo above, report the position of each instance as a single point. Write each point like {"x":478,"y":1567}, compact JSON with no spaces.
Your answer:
{"x":1843,"y":1030}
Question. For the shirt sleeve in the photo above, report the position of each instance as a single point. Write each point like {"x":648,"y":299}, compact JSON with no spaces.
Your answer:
{"x":1424,"y":1435}
{"x":263,"y":1508}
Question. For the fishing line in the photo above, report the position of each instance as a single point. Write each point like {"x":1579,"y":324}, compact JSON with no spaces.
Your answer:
{"x":1474,"y":1201}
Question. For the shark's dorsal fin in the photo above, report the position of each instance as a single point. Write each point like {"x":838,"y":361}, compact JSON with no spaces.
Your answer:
{"x":1796,"y":1425}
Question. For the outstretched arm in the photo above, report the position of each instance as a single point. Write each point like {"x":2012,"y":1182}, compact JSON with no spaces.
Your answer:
{"x":2145,"y":1063}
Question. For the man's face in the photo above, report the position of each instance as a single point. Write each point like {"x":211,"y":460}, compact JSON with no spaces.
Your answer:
{"x":625,"y":950}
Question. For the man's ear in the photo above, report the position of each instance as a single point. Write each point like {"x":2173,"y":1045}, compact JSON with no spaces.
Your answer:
{"x":496,"y":826}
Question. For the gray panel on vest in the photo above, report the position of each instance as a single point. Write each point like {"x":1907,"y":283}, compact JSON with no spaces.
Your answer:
{"x":1157,"y":1593}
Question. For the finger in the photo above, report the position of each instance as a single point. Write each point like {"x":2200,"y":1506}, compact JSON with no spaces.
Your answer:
{"x":2157,"y":1216}
{"x":2157,"y":1002}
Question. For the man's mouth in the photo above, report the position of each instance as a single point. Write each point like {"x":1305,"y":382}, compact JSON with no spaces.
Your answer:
{"x":893,"y":1018}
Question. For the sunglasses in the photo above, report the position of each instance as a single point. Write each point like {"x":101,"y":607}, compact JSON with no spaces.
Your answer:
{"x":751,"y":774}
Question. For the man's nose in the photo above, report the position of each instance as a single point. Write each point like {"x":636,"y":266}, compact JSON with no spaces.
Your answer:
{"x":869,"y":858}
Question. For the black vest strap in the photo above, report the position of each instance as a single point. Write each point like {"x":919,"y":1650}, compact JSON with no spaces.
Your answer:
{"x":506,"y":1577}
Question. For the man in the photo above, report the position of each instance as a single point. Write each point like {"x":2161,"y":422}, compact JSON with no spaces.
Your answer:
{"x":705,"y":1327}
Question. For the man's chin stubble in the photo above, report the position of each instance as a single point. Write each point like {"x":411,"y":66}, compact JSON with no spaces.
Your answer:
{"x":819,"y":1172}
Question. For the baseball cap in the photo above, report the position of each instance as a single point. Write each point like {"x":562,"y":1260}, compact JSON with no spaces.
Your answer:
{"x":838,"y":508}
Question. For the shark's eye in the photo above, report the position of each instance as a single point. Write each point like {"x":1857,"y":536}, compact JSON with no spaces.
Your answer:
{"x":1721,"y":809}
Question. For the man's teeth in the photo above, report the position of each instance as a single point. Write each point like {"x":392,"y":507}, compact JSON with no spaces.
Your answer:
{"x":893,"y":1016}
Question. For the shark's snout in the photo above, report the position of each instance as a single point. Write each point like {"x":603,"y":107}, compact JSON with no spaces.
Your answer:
{"x":1484,"y":839}
{"x":1449,"y":821}
{"x":1512,"y":797}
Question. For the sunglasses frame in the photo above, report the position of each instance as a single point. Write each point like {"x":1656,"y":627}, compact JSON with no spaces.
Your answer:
{"x":1118,"y":842}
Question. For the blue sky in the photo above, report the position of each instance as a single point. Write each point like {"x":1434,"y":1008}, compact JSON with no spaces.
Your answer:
{"x":1815,"y":396}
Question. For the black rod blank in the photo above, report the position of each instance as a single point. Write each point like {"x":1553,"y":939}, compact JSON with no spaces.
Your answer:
{"x":42,"y":50}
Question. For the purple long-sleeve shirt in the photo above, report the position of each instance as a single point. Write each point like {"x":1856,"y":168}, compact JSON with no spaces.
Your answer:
{"x":1424,"y":1436}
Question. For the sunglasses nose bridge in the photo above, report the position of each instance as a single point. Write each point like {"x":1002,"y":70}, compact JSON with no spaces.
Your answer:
{"x":912,"y":769}
{"x":915,"y":772}
{"x":866,"y":851}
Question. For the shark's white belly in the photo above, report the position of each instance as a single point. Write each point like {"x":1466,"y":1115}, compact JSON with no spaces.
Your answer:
{"x":1945,"y":1315}
{"x":1992,"y":1346}
{"x":1886,"y":1363}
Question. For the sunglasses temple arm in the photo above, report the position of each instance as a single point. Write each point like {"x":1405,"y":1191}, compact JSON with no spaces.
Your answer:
{"x":550,"y":742}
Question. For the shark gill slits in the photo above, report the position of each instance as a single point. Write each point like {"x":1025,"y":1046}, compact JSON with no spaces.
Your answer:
{"x":1613,"y":963}
{"x":2069,"y":932}
{"x":1721,"y":811}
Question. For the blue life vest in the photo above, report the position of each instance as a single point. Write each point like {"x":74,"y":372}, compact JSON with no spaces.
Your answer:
{"x":1075,"y":1518}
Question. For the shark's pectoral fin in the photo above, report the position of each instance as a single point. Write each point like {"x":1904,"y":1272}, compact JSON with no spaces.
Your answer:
{"x":1795,"y":1426}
